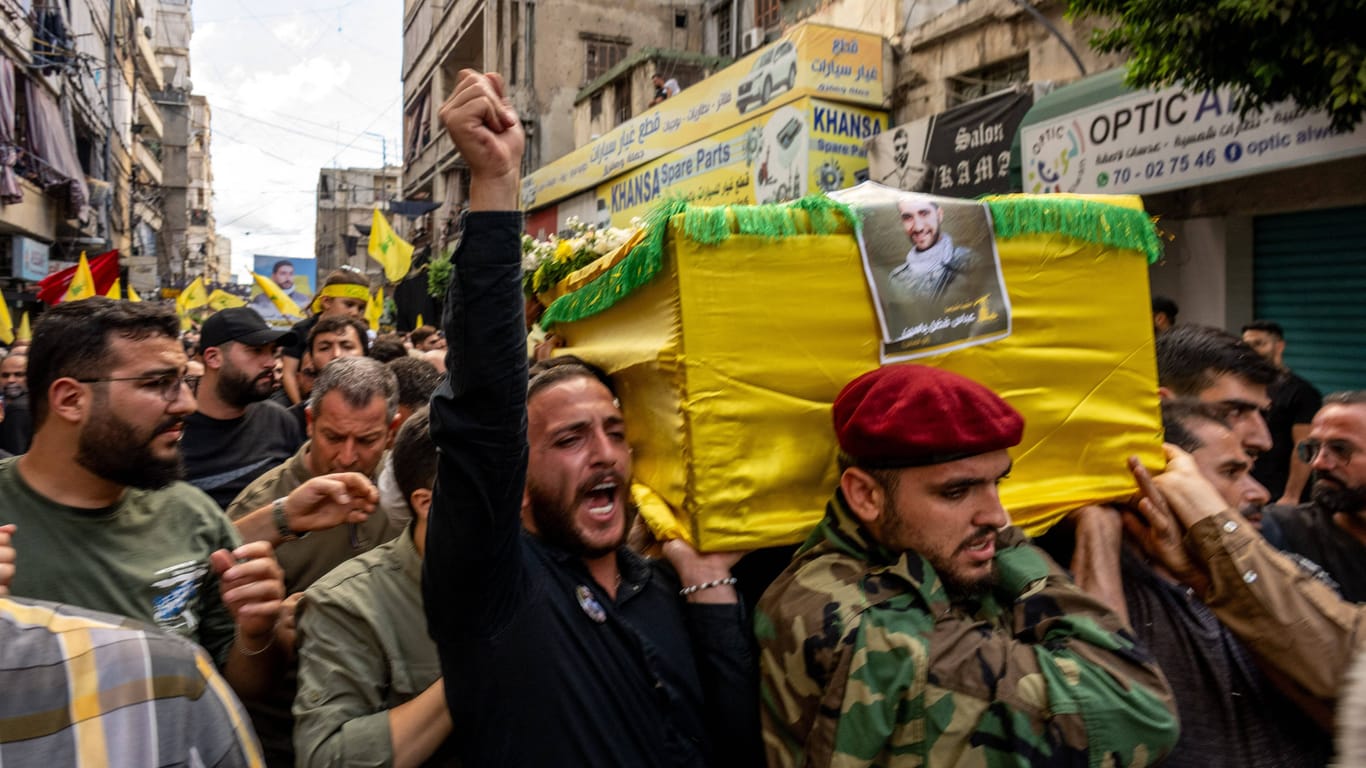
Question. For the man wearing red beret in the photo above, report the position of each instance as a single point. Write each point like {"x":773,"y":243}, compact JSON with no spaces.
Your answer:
{"x":916,"y":625}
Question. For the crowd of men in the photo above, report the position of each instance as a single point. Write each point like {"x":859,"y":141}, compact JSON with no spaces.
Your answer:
{"x":393,"y":562}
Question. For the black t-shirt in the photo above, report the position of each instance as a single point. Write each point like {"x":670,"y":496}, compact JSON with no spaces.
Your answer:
{"x":16,"y":431}
{"x":223,"y":456}
{"x":1308,"y":530}
{"x":1293,"y":401}
{"x":301,"y":330}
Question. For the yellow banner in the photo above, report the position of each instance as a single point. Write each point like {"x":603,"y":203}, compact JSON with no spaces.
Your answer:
{"x":810,"y":60}
{"x":783,"y":154}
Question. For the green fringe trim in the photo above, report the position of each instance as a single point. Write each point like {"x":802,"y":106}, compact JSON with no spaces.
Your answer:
{"x":708,"y":225}
{"x":1112,"y":225}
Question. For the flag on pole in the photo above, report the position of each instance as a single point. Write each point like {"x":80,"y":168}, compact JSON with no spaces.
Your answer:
{"x":132,"y":294}
{"x":6,"y":323}
{"x":221,"y":299}
{"x":115,"y":291}
{"x":25,"y":333}
{"x":389,"y":249}
{"x":278,"y":297}
{"x":375,"y":309}
{"x":82,"y":283}
{"x":193,"y":296}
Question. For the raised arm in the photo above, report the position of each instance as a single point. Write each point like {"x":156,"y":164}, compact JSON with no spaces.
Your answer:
{"x":472,"y":567}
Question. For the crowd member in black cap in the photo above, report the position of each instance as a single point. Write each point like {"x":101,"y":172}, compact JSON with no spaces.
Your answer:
{"x":237,"y":434}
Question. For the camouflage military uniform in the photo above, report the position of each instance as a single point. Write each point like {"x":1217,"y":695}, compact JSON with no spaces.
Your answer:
{"x":866,"y":661}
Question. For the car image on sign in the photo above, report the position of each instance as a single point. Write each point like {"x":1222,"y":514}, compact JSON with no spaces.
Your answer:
{"x":774,"y":68}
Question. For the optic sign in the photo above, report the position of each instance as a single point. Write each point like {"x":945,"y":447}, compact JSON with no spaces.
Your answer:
{"x":1152,"y":141}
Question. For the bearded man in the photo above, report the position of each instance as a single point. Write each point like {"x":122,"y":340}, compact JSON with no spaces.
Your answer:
{"x":100,"y":521}
{"x":934,"y":263}
{"x":1331,"y":529}
{"x":237,"y":434}
{"x":916,"y":626}
{"x":558,"y":645}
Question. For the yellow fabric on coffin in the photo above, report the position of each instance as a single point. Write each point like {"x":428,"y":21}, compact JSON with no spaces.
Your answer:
{"x":729,"y":359}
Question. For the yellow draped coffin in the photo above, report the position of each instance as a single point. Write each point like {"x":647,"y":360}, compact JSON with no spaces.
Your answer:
{"x":730,"y":331}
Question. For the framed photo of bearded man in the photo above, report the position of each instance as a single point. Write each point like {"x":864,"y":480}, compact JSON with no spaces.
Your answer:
{"x":933,"y":271}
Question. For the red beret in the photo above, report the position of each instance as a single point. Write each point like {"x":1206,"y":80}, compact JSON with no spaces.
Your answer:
{"x":915,"y":415}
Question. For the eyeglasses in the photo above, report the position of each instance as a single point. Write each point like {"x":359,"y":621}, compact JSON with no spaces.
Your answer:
{"x":1341,"y":450}
{"x":167,"y":384}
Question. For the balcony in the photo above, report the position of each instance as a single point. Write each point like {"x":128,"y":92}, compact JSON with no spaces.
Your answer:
{"x":149,"y":162}
{"x":146,"y":58}
{"x":149,"y":117}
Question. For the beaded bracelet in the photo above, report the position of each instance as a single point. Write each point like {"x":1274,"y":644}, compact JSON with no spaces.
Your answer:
{"x":684,"y":592}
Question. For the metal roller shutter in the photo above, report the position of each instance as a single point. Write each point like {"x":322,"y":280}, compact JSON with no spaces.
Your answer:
{"x":1309,"y":275}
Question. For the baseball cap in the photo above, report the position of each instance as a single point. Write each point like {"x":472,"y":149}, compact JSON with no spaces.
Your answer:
{"x":242,"y":324}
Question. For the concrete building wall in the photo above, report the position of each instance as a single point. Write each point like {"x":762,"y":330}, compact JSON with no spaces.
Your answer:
{"x":963,"y":38}
{"x":346,"y":198}
{"x":542,"y":49}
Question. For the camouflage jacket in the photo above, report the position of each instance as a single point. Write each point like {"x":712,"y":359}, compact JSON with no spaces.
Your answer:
{"x":866,"y":661}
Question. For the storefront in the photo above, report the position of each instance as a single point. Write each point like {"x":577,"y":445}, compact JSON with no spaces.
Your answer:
{"x":1263,"y":214}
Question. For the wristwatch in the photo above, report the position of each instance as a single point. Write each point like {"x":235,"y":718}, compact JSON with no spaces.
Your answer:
{"x":277,"y":513}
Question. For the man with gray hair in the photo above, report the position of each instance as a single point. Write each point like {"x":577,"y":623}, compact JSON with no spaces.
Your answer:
{"x":352,"y":414}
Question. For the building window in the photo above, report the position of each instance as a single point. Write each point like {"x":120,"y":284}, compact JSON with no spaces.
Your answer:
{"x":621,"y":99}
{"x":987,"y":80}
{"x":595,"y":106}
{"x":767,"y":13}
{"x":600,"y":56}
{"x":680,"y":19}
{"x":725,"y":35}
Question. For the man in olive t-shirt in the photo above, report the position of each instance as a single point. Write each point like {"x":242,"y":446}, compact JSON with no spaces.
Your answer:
{"x":100,"y":518}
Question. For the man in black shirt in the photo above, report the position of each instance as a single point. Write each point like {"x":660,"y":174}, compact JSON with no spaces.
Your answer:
{"x":1331,"y":529}
{"x":559,"y":646}
{"x":1294,"y":401}
{"x":237,"y":435}
{"x":16,"y":431}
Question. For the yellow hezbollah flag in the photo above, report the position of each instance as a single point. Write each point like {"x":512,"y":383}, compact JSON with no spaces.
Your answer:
{"x":221,"y":299}
{"x":82,"y":283}
{"x":193,"y":296}
{"x":24,"y":333}
{"x":279,"y":298}
{"x":389,"y":249}
{"x":375,"y":309}
{"x":6,"y":323}
{"x":419,"y":321}
{"x":115,"y":291}
{"x":133,"y":295}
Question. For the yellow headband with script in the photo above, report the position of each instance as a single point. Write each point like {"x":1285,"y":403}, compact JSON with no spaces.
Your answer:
{"x":340,"y":290}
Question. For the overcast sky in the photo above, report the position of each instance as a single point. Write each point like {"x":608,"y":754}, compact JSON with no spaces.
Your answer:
{"x":294,"y":86}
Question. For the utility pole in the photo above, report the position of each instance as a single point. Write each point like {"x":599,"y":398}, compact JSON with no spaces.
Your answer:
{"x":113,"y":130}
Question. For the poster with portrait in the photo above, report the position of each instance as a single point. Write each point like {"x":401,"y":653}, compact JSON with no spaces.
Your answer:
{"x":295,"y":276}
{"x":933,"y":271}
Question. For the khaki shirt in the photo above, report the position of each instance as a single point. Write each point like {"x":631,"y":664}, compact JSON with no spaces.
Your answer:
{"x":1293,"y":621}
{"x":364,"y":650}
{"x":308,"y":559}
